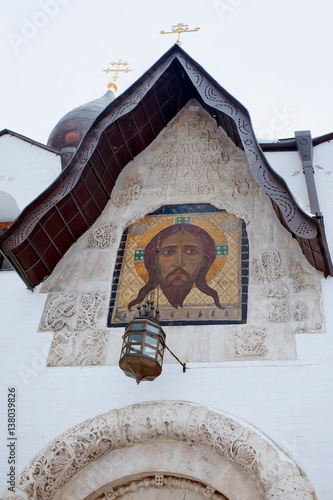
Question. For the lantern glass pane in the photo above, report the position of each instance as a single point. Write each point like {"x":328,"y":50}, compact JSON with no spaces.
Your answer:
{"x":138,"y":326}
{"x":151,"y":340}
{"x":136,"y":337}
{"x":134,"y":349}
{"x":153,"y":329}
{"x":148,"y":351}
{"x":159,"y":358}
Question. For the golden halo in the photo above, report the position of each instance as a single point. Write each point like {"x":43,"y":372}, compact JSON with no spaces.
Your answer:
{"x":216,"y":233}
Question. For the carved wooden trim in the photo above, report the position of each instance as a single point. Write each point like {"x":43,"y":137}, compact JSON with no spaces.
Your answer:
{"x":273,"y":185}
{"x":270,"y":182}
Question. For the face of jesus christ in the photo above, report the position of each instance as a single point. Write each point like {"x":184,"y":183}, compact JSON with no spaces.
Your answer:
{"x":176,"y":258}
{"x":179,"y":259}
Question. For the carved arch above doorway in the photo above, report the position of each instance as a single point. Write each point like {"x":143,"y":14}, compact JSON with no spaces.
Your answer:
{"x":136,"y":444}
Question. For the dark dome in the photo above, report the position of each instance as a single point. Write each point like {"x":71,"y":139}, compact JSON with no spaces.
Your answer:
{"x":72,"y":127}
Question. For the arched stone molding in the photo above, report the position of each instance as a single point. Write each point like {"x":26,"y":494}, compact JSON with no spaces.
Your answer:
{"x":231,"y":456}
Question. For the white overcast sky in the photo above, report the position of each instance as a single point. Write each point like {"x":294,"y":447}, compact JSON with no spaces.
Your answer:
{"x":275,"y":57}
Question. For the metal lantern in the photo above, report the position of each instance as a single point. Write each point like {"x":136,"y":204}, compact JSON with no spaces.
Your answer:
{"x":143,"y":345}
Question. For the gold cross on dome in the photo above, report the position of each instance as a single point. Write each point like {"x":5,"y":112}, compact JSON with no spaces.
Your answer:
{"x":112,"y":85}
{"x":179,"y":28}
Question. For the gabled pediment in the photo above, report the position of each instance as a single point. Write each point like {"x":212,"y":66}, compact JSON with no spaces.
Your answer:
{"x":47,"y":228}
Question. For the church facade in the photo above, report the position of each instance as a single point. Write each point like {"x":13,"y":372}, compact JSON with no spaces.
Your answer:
{"x":168,"y":195}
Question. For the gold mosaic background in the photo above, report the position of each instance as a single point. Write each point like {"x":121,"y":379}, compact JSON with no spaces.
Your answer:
{"x":224,"y":275}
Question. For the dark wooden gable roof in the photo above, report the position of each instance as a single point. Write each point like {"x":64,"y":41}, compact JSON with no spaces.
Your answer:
{"x":46,"y":229}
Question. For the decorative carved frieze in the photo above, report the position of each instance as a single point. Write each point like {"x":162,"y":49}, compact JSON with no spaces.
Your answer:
{"x":103,"y":236}
{"x":268,"y":267}
{"x":222,"y":202}
{"x":194,"y":158}
{"x":301,"y":312}
{"x":290,"y":488}
{"x":250,"y":343}
{"x":141,"y":214}
{"x":278,"y":292}
{"x":242,"y":187}
{"x":159,"y":479}
{"x":78,"y":348}
{"x":278,"y":312}
{"x":109,"y":495}
{"x":124,"y":198}
{"x":91,"y":309}
{"x":178,"y":422}
{"x":57,"y":311}
{"x":302,"y":280}
{"x":169,"y":487}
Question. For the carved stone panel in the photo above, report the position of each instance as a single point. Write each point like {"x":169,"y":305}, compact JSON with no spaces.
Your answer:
{"x":173,"y":487}
{"x":78,"y":348}
{"x":250,"y":343}
{"x":268,"y":267}
{"x":69,"y":459}
{"x":58,"y":310}
{"x":103,"y":236}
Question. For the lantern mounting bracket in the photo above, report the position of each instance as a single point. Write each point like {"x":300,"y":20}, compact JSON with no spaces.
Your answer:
{"x":143,"y":345}
{"x":183,"y":364}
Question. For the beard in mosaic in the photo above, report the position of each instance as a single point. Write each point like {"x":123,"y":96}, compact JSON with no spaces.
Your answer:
{"x":177,"y":258}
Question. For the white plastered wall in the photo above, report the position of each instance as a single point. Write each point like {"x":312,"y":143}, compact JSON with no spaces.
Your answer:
{"x":288,"y":399}
{"x":25,"y":170}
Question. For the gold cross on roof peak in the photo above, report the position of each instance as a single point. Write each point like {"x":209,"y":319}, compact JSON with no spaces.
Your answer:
{"x":179,"y":28}
{"x":112,"y":85}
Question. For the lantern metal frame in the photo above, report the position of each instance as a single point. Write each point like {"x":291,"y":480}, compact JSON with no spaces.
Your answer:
{"x":143,"y":345}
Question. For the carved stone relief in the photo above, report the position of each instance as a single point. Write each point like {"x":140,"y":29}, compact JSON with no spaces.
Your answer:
{"x":268,"y":267}
{"x":250,"y":343}
{"x":124,"y":198}
{"x":57,"y":311}
{"x":278,"y":292}
{"x":274,"y":473}
{"x":301,"y":279}
{"x":78,"y":348}
{"x":278,"y":311}
{"x":91,"y":310}
{"x":75,"y":321}
{"x":301,"y":312}
{"x":294,"y":295}
{"x":193,"y":159}
{"x":103,"y":236}
{"x":164,"y":487}
{"x":242,"y":186}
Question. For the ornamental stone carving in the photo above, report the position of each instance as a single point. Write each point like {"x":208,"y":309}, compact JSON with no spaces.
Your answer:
{"x":141,"y":214}
{"x":109,"y":495}
{"x":278,"y":292}
{"x":78,"y":348}
{"x":301,"y":312}
{"x":242,"y":187}
{"x":249,"y":343}
{"x":278,"y":311}
{"x":302,"y":280}
{"x":124,"y":198}
{"x":103,"y":236}
{"x":268,"y":267}
{"x":177,"y":422}
{"x":290,"y":488}
{"x":166,"y":487}
{"x":57,"y":311}
{"x":91,"y":310}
